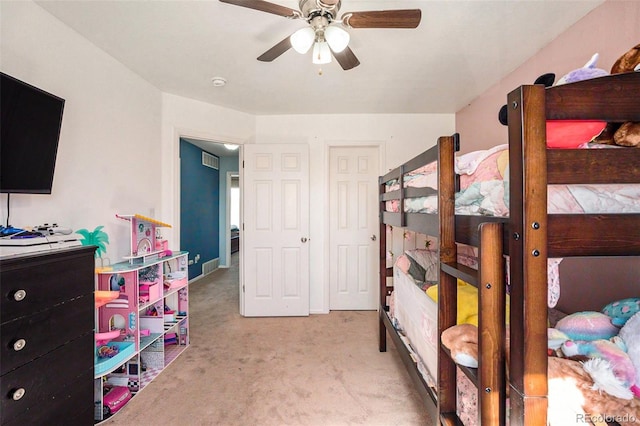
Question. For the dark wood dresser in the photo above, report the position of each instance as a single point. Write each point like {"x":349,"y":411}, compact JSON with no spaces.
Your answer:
{"x":46,"y":329}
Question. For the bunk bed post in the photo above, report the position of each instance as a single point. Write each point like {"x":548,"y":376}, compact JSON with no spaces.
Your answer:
{"x":491,"y":326}
{"x":528,"y":255}
{"x":382,"y":338}
{"x":447,"y":306}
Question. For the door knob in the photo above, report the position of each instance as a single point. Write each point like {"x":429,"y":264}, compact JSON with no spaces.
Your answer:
{"x":303,"y":239}
{"x":373,"y":238}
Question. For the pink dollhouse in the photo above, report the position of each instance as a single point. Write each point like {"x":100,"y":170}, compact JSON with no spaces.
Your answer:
{"x":145,"y":240}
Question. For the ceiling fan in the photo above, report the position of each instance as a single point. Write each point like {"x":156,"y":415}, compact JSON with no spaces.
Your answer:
{"x":325,"y":32}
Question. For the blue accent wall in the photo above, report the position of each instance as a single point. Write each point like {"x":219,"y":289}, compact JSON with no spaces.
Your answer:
{"x":199,"y":208}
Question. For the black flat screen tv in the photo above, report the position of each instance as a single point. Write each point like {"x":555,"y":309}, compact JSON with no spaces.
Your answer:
{"x":30,"y":122}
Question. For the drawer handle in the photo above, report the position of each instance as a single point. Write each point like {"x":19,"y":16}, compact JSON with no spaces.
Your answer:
{"x":19,"y":295}
{"x":19,"y":345}
{"x":18,"y":394}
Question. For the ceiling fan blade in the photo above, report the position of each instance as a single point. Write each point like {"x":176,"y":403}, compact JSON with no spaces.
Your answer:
{"x":275,"y":51}
{"x":266,"y":6}
{"x":347,"y":59}
{"x":401,"y":18}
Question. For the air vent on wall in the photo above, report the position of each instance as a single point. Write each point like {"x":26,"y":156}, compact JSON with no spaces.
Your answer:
{"x":210,"y":266}
{"x":210,"y":160}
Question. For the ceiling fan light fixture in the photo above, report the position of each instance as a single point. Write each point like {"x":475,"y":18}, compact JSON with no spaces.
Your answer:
{"x":302,"y":39}
{"x":321,"y":53}
{"x":337,"y":38}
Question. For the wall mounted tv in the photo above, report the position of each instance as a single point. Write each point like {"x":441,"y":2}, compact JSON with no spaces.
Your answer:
{"x":30,"y":122}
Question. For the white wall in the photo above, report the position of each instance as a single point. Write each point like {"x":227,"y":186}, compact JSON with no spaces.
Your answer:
{"x":400,"y":138}
{"x":109,"y":144}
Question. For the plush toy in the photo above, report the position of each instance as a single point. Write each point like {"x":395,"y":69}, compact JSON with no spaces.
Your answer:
{"x":630,"y":335}
{"x":545,"y":79}
{"x":573,"y":400}
{"x":555,"y":338}
{"x":609,"y":365}
{"x":587,"y":325}
{"x":568,"y":133}
{"x":467,"y":302}
{"x":587,"y":72}
{"x":621,"y":310}
{"x":462,"y":342}
{"x":573,"y":133}
{"x":625,"y":134}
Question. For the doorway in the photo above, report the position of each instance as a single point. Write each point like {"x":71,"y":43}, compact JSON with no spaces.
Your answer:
{"x":205,"y":230}
{"x":233,"y":214}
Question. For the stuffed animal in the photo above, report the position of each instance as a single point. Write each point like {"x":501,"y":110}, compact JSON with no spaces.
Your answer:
{"x":545,"y":79}
{"x":587,"y":72}
{"x":587,"y":325}
{"x":568,"y":134}
{"x":625,"y":134}
{"x":621,"y":310}
{"x":467,"y":302}
{"x":555,"y":338}
{"x":630,"y":335}
{"x":574,"y":133}
{"x":609,"y":365}
{"x":573,"y":400}
{"x":462,"y":342}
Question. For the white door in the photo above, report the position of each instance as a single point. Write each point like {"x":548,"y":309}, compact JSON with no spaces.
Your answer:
{"x":353,"y":204}
{"x":276,"y":229}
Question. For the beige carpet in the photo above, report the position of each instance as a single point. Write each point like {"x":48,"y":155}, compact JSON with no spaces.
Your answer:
{"x":316,"y":370}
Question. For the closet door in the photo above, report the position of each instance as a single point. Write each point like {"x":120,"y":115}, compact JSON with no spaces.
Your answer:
{"x":276,"y":230}
{"x":353,"y":217}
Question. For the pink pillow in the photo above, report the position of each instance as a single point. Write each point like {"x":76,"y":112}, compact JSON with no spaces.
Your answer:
{"x":570,"y":134}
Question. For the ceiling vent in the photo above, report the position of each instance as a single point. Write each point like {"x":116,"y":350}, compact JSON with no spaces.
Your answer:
{"x":209,"y":160}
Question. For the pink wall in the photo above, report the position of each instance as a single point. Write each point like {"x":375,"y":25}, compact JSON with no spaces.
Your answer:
{"x":609,"y":30}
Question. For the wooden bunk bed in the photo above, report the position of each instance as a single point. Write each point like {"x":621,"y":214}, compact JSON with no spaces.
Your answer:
{"x":529,"y":236}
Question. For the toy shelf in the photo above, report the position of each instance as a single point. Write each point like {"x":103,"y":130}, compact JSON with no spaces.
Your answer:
{"x":168,"y":325}
{"x":104,"y":297}
{"x":172,"y":353}
{"x":105,"y":366}
{"x":148,"y":340}
{"x":146,"y":298}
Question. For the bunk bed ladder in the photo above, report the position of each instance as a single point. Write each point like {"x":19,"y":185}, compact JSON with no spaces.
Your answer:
{"x":489,"y":377}
{"x":447,"y":291}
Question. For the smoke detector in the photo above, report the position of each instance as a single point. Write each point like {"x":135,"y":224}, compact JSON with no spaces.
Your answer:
{"x":218,"y":81}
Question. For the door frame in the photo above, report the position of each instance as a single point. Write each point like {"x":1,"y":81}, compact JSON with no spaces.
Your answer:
{"x":381,"y":145}
{"x":176,"y":212}
{"x":227,"y":236}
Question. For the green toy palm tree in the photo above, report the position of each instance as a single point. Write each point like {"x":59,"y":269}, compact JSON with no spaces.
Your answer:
{"x":95,"y":238}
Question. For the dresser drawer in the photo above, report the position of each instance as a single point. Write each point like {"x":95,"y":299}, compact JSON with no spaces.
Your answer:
{"x":63,"y":406}
{"x":34,"y":283}
{"x":54,"y":386}
{"x":29,"y":337}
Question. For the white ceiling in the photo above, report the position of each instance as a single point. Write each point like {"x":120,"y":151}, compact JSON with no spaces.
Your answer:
{"x":460,"y":49}
{"x":214,"y":148}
